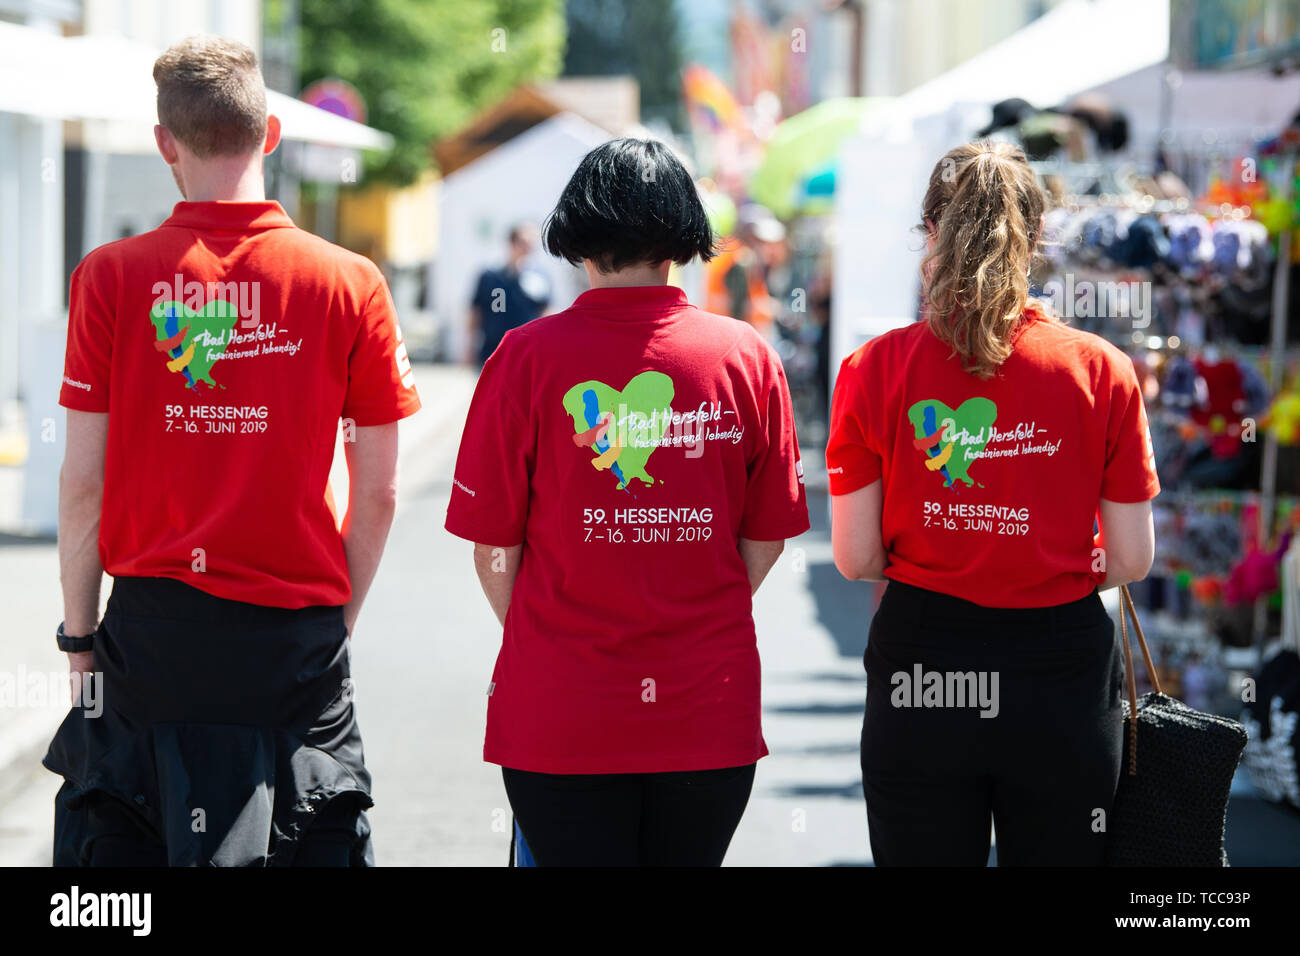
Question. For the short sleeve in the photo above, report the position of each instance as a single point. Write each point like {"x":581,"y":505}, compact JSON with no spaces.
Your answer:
{"x":381,"y":384}
{"x":776,"y":506}
{"x":851,"y":460}
{"x":494,"y":467}
{"x":87,"y":362}
{"x":1130,"y":472}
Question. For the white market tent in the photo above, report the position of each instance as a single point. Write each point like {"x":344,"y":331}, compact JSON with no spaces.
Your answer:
{"x":110,"y":78}
{"x":1075,"y":47}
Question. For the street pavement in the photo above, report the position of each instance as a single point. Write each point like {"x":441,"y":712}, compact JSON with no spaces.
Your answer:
{"x":423,"y":652}
{"x":33,"y":695}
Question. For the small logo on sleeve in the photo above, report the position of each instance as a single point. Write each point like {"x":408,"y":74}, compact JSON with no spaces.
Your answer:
{"x":404,"y":363}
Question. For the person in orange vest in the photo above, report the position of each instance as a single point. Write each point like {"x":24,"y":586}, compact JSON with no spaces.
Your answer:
{"x":734,"y":280}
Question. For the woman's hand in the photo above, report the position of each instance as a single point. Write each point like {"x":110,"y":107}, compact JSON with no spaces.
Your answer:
{"x":497,"y":569}
{"x":856,"y":539}
{"x":1127,"y":543}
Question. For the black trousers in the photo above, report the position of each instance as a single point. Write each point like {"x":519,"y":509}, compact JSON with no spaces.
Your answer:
{"x":629,"y":819}
{"x":122,"y":839}
{"x":227,"y":737}
{"x":979,"y":716}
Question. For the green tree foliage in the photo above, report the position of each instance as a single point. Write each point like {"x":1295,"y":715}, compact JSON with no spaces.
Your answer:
{"x":425,"y":67}
{"x":636,"y":37}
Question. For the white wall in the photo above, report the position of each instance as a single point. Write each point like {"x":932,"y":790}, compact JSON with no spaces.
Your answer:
{"x":877,"y":257}
{"x":163,"y":22}
{"x":160,"y":23}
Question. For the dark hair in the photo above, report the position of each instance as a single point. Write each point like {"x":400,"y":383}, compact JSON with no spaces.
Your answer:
{"x":629,"y":201}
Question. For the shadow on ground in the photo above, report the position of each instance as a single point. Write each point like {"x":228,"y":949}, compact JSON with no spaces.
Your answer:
{"x":1259,"y":833}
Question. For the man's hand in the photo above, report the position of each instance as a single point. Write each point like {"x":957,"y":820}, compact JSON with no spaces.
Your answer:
{"x":82,"y":663}
{"x":81,"y":492}
{"x":372,"y":502}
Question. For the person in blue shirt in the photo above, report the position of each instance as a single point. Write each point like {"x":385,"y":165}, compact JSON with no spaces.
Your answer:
{"x":509,"y":296}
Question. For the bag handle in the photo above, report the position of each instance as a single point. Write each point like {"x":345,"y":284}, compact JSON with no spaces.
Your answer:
{"x":1126,"y":610}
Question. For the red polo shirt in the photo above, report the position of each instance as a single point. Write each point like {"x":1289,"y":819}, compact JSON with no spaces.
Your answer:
{"x":991,"y":487}
{"x":225,"y":346}
{"x":628,"y":443}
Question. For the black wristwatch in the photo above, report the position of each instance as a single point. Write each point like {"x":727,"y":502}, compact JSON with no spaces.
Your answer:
{"x":73,"y":645}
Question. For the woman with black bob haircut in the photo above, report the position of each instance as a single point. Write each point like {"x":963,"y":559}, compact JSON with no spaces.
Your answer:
{"x":629,"y":202}
{"x":628,"y":474}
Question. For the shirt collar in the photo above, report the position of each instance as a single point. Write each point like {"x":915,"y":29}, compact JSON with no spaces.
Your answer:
{"x":646,"y":300}
{"x":221,"y":215}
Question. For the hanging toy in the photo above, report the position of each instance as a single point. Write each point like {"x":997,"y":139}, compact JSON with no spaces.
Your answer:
{"x":1275,"y":214}
{"x":1254,"y":576}
{"x":1283,"y":419}
{"x":1207,"y":589}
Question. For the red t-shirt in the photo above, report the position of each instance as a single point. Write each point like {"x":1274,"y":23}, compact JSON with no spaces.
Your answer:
{"x":225,"y":345}
{"x":628,"y":443}
{"x":991,"y":487}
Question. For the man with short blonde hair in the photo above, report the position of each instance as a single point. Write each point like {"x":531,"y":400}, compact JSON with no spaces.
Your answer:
{"x":211,"y":96}
{"x":209,"y":363}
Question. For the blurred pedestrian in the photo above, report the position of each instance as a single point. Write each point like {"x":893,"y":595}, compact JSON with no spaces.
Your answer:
{"x":629,"y":474}
{"x":508,"y":296}
{"x":208,"y":364}
{"x":969,"y":457}
{"x":736,"y":279}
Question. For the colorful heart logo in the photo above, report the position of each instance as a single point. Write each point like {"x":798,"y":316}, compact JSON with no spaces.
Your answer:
{"x":951,"y":440}
{"x":193,"y":340}
{"x":622,"y":428}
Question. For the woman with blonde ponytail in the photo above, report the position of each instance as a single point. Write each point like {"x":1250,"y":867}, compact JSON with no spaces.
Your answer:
{"x":972,"y":458}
